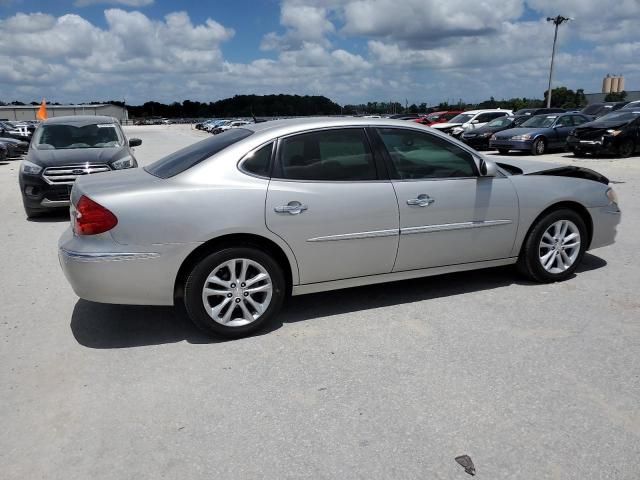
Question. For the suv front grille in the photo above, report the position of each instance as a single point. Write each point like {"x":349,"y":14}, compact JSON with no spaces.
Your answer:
{"x":67,"y":174}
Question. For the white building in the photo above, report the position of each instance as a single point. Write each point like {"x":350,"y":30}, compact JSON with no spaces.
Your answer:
{"x":28,"y":112}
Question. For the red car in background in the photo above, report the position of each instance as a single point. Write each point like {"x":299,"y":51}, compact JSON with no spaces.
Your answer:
{"x":438,"y":117}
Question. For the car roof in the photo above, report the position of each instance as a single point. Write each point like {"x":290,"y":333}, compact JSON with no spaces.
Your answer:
{"x":79,"y":120}
{"x":293,"y":125}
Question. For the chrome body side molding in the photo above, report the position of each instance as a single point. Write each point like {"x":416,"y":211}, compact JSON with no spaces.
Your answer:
{"x":356,"y":236}
{"x":453,"y":226}
{"x":106,"y":256}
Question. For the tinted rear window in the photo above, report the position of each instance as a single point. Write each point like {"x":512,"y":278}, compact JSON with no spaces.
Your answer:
{"x":187,"y":157}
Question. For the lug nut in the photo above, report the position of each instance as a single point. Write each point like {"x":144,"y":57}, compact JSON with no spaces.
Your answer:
{"x":246,"y":294}
{"x":233,"y":285}
{"x":237,"y":300}
{"x":243,"y":285}
{"x":229,"y":295}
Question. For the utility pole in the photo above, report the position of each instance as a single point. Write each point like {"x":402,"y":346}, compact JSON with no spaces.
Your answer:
{"x":557,"y":21}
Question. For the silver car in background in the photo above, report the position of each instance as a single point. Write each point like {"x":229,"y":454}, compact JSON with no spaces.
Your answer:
{"x":234,"y":223}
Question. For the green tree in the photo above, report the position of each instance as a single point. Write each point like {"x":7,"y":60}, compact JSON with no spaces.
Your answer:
{"x":616,"y":96}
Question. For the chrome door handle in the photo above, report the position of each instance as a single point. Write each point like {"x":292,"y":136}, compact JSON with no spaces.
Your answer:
{"x":423,"y":200}
{"x":292,"y":208}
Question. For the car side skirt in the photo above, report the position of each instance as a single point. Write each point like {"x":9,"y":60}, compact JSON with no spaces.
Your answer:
{"x":396,"y":276}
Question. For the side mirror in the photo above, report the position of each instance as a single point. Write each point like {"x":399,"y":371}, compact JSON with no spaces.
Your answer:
{"x":134,"y":142}
{"x":487,"y":168}
{"x":475,"y":121}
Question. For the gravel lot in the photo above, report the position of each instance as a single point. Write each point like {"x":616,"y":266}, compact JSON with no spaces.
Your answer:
{"x":384,"y":382}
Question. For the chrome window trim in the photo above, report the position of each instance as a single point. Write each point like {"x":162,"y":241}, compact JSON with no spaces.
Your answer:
{"x":356,"y":236}
{"x":453,"y":226}
{"x":244,"y":158}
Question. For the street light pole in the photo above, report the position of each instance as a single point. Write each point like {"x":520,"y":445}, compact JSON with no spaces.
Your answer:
{"x":557,"y":21}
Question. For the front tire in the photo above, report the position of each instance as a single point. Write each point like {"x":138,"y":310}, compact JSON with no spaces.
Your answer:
{"x":626,"y":148}
{"x":539,"y":146}
{"x":234,"y":292}
{"x":554,"y":247}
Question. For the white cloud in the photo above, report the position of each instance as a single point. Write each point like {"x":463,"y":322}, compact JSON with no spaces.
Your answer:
{"x":304,"y":23}
{"x":126,"y":3}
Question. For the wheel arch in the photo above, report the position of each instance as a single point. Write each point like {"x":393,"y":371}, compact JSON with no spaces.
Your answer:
{"x":568,"y":204}
{"x":235,"y":240}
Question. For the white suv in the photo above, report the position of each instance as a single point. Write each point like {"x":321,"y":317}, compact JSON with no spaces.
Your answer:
{"x":470,"y":120}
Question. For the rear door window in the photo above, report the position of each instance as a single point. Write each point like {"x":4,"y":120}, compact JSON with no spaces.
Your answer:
{"x":327,"y":155}
{"x":187,"y":157}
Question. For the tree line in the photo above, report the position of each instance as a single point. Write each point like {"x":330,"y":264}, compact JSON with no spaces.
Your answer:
{"x":304,"y":105}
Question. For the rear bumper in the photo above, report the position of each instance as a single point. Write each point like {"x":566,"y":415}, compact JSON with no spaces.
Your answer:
{"x":511,"y":145}
{"x":605,"y":225}
{"x":101,"y":270}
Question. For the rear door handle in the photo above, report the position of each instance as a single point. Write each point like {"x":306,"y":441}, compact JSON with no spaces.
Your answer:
{"x":423,"y":200}
{"x":292,"y":208}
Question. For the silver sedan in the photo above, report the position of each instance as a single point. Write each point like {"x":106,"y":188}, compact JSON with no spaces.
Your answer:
{"x":233,"y":224}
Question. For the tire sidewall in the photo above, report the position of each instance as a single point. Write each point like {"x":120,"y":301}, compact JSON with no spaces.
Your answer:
{"x":631,"y":151}
{"x":196,"y":280}
{"x":532,"y":246}
{"x":534,"y":146}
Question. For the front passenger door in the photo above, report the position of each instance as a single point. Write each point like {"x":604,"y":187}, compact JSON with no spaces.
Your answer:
{"x":448,"y":214}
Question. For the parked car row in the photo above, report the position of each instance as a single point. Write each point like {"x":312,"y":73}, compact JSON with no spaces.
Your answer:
{"x":216,"y":126}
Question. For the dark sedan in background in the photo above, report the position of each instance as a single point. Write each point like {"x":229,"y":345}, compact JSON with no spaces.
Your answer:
{"x":538,"y":134}
{"x":14,"y":147}
{"x":65,"y":148}
{"x":479,"y":138}
{"x":617,"y":133}
{"x":596,"y":110}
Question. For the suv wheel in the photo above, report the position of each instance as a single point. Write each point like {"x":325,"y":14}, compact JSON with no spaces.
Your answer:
{"x":554,"y":247}
{"x":626,"y":148}
{"x":234,"y":292}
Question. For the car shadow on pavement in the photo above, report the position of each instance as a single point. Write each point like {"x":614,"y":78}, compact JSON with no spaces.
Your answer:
{"x":61,"y":215}
{"x":104,"y":326}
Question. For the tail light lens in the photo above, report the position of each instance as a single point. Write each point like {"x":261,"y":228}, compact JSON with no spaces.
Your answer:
{"x":92,"y":218}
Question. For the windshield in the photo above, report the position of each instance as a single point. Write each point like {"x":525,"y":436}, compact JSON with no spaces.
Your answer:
{"x":592,"y":109}
{"x":631,"y":105}
{"x":462,"y":118}
{"x":619,"y":117}
{"x":187,"y":157}
{"x":60,"y":136}
{"x":540,"y":121}
{"x":500,"y":122}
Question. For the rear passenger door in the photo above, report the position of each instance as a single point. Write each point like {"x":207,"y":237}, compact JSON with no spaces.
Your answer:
{"x":330,"y":199}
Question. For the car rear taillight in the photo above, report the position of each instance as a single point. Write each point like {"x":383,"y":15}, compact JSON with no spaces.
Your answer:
{"x":92,"y":218}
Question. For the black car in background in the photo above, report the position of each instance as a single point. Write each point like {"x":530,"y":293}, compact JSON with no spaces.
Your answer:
{"x":64,"y":148}
{"x":479,"y":138}
{"x":537,"y":111}
{"x":596,"y":110}
{"x":617,"y":133}
{"x":14,"y":147}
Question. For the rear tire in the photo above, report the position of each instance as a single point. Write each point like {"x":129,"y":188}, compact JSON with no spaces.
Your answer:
{"x":552,"y":255}
{"x":503,"y":151}
{"x":235,"y":304}
{"x":539,"y":146}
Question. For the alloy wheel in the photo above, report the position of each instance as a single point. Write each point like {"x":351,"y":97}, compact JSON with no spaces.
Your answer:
{"x":237,"y":292}
{"x":559,"y":246}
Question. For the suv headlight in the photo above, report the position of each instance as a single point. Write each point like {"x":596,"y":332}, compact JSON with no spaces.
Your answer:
{"x":126,"y":162}
{"x":614,"y":133}
{"x":30,"y":168}
{"x":526,"y":136}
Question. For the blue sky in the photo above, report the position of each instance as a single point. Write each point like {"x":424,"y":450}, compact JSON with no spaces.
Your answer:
{"x":350,"y":50}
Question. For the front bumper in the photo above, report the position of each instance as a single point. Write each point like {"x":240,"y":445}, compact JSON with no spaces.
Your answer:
{"x":508,"y":144}
{"x":605,"y":223}
{"x":38,"y":194}
{"x":602,"y":145}
{"x":101,"y":270}
{"x":479,"y":143}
